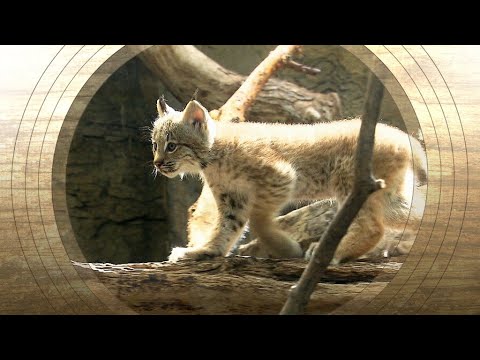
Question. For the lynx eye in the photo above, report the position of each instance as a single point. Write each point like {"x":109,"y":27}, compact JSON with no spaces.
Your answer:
{"x":154,"y":146}
{"x":171,"y":147}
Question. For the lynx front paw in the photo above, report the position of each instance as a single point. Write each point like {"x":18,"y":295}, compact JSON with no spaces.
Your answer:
{"x":254,"y":248}
{"x":180,"y":253}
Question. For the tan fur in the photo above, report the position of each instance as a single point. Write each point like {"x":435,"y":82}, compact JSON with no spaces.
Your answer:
{"x":254,"y":169}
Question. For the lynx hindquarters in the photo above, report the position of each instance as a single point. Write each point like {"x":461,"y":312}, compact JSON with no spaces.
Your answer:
{"x":365,"y":232}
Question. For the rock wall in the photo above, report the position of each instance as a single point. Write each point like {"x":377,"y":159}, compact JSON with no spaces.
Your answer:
{"x":119,"y":212}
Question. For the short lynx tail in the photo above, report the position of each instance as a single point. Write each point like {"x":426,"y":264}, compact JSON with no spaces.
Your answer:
{"x":419,"y":162}
{"x":409,"y":203}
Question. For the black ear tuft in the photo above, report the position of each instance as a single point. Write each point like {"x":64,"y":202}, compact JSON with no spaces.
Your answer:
{"x":162,"y":106}
{"x":194,"y":96}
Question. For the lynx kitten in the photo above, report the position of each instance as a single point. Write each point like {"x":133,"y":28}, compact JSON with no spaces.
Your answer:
{"x":254,"y":169}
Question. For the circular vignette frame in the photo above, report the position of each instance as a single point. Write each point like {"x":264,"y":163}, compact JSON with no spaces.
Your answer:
{"x":437,"y":277}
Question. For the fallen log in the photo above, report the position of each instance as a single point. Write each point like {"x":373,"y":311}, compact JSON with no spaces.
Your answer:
{"x":232,"y":285}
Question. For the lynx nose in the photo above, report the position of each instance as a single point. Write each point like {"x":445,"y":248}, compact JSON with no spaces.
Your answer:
{"x":158,"y":163}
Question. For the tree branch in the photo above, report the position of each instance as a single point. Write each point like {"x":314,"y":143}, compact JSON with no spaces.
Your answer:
{"x":238,"y":104}
{"x":301,"y":67}
{"x":184,"y":68}
{"x":364,"y":185}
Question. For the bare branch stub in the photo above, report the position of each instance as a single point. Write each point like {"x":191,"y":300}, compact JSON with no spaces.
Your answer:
{"x":301,"y":67}
{"x":365,"y":184}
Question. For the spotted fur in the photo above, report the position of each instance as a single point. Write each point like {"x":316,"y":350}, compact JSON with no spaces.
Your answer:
{"x":254,"y":170}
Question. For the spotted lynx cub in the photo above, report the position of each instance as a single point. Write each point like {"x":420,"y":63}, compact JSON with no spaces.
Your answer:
{"x":253,"y":170}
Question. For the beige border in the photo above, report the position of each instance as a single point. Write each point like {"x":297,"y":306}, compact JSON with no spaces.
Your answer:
{"x":441,"y":274}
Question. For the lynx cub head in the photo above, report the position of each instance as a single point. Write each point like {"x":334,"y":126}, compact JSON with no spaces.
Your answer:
{"x":181,"y":140}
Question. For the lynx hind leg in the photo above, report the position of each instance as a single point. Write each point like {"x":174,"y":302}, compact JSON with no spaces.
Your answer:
{"x":270,"y":197}
{"x":394,"y":243}
{"x":271,"y":241}
{"x":365,"y":232}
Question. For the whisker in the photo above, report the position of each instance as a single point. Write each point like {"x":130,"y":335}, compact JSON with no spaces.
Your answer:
{"x":145,"y":132}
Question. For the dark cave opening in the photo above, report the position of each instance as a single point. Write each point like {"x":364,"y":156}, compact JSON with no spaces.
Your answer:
{"x":118,"y":210}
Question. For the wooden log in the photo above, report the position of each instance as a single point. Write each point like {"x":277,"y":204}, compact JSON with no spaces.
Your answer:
{"x":184,"y":69}
{"x":232,"y":285}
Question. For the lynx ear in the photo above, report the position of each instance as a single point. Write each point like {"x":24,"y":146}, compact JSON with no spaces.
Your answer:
{"x":162,"y":107}
{"x":196,"y":116}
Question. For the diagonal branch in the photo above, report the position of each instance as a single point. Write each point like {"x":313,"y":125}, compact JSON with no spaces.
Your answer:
{"x":236,"y":107}
{"x":365,"y":184}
